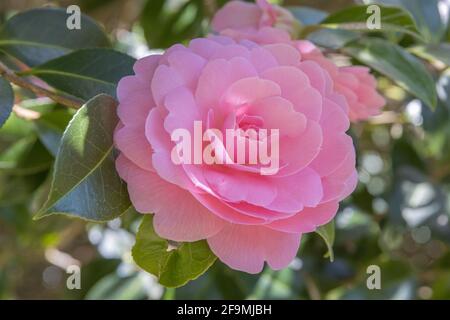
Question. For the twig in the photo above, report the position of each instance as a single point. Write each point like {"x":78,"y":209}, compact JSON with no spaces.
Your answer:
{"x":9,"y":75}
{"x":311,"y":287}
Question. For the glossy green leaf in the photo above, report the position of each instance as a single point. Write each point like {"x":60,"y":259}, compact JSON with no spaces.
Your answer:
{"x":429,"y":21}
{"x":85,"y":183}
{"x":392,"y":19}
{"x":38,"y":35}
{"x":333,"y":38}
{"x":166,"y":23}
{"x":327,"y":233}
{"x":397,"y":64}
{"x":86,"y":73}
{"x":173,"y":266}
{"x":307,"y":15}
{"x":6,"y":100}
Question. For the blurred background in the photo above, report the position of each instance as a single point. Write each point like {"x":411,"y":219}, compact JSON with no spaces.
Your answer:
{"x":397,"y":219}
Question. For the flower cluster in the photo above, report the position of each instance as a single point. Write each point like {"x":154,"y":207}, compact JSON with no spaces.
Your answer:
{"x":249,"y":75}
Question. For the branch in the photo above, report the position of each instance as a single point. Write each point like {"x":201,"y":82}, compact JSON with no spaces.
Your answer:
{"x":9,"y":75}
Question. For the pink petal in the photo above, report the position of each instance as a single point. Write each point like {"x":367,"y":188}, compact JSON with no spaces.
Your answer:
{"x":285,"y":54}
{"x":335,"y":149}
{"x":204,"y":47}
{"x":145,"y":67}
{"x":216,"y":77}
{"x":236,"y":14}
{"x":246,"y":248}
{"x":278,"y":113}
{"x":188,"y":65}
{"x":165,"y":80}
{"x":301,"y":189}
{"x":131,"y":141}
{"x":308,"y":219}
{"x":251,"y":188}
{"x":297,"y":153}
{"x":295,"y":87}
{"x":183,"y":110}
{"x":178,"y":216}
{"x":262,"y":59}
{"x":248,"y":90}
{"x":162,"y":147}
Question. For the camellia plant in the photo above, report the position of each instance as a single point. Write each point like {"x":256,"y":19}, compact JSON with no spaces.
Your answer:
{"x":96,"y":134}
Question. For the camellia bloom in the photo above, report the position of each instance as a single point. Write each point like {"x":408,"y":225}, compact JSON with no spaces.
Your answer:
{"x":246,"y":217}
{"x":260,"y":22}
{"x":355,"y":83}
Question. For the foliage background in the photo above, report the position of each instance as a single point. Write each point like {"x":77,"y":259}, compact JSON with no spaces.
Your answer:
{"x":398,"y":218}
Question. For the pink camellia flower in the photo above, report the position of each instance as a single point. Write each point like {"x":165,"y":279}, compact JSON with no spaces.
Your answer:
{"x":260,"y":22}
{"x":247,"y":218}
{"x":355,"y":83}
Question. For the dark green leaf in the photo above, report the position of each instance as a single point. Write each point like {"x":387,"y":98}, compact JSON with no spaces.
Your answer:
{"x":174,"y":267}
{"x":397,"y":64}
{"x":426,"y":15}
{"x":355,"y":18}
{"x":334,"y":39}
{"x":15,"y":189}
{"x":165,"y":24}
{"x":6,"y":100}
{"x":327,"y":234}
{"x":50,"y":128}
{"x":85,"y":183}
{"x":26,"y":156}
{"x":86,"y":73}
{"x":38,"y":35}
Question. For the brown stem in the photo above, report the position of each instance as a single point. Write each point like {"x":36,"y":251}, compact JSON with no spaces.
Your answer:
{"x":9,"y":75}
{"x":311,"y":287}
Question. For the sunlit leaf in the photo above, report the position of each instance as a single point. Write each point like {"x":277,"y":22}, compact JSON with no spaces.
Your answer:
{"x":173,"y":266}
{"x":85,"y":183}
{"x":392,"y":19}
{"x":327,"y":233}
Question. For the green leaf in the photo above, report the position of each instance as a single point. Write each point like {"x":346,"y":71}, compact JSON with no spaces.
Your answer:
{"x":115,"y":287}
{"x":334,"y":39}
{"x":174,"y":267}
{"x":355,"y":18}
{"x":15,"y":189}
{"x":25,"y":156}
{"x":397,"y":64}
{"x":85,"y":183}
{"x":439,"y":52}
{"x":6,"y":100}
{"x":327,"y":233}
{"x":38,"y":35}
{"x":50,"y":128}
{"x":426,"y":15}
{"x":86,"y":73}
{"x":167,"y":23}
{"x":306,"y":15}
